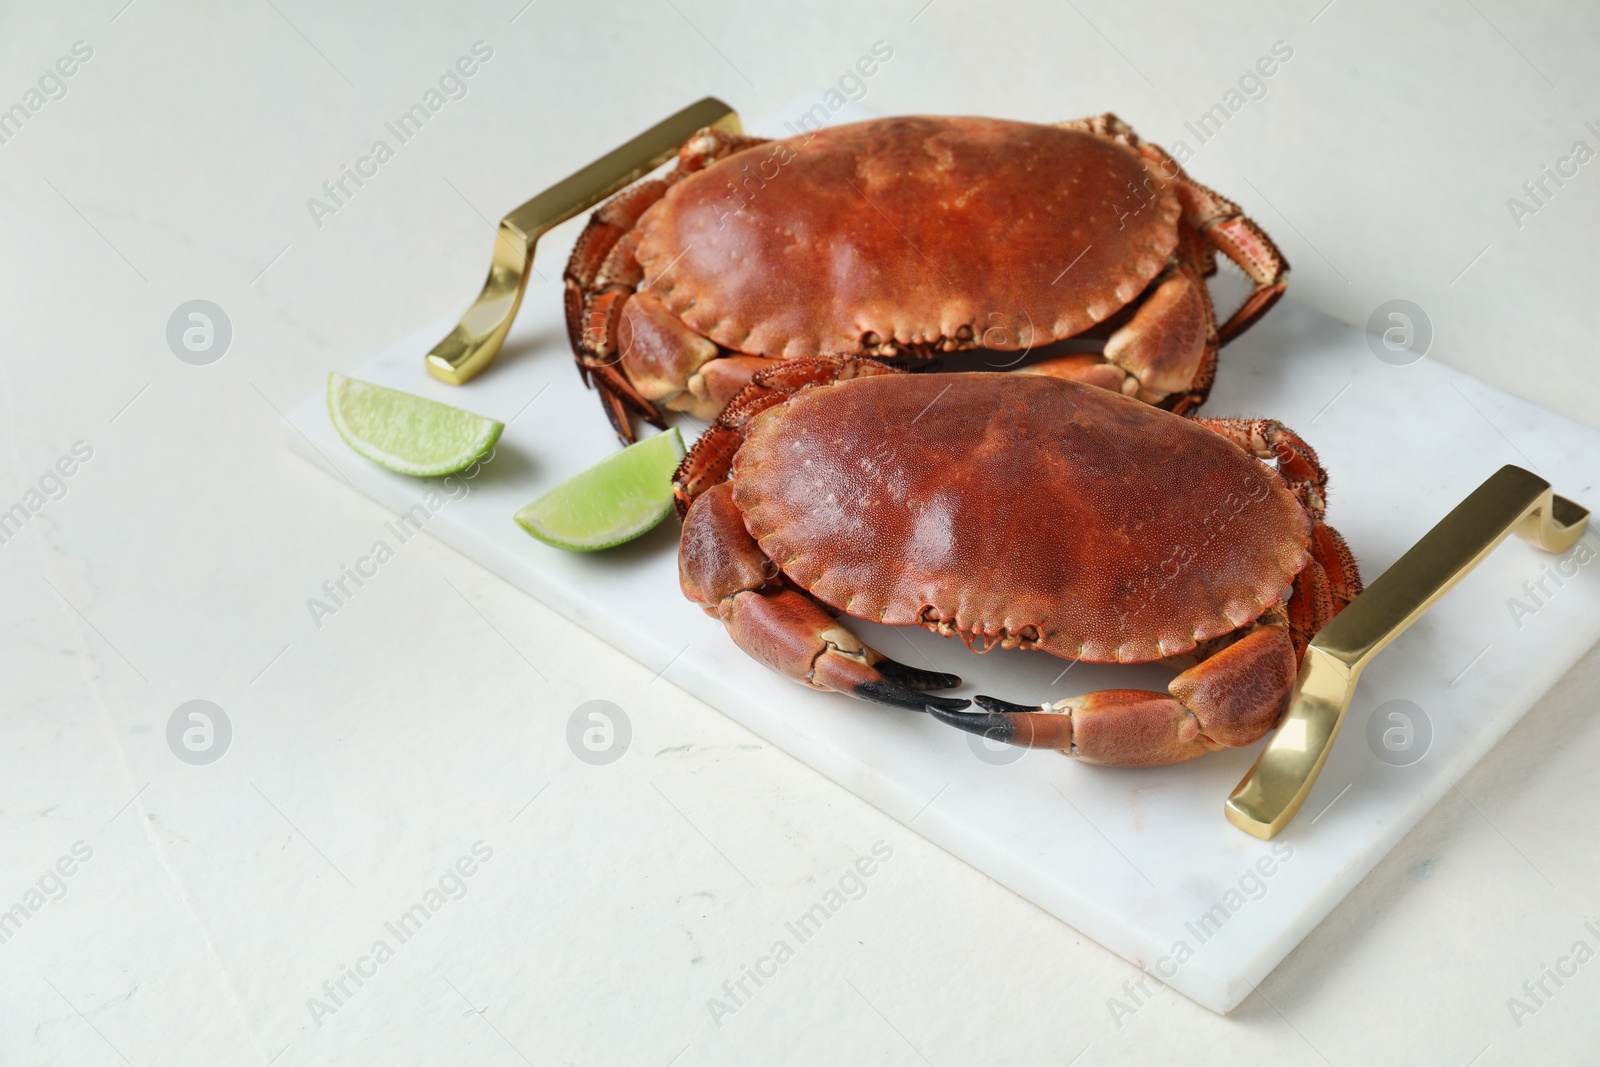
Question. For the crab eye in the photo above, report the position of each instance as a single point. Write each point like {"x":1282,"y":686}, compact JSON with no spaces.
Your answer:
{"x":870,"y":340}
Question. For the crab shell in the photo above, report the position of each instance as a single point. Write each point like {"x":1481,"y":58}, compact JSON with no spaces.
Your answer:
{"x":1007,"y":234}
{"x":1020,"y":511}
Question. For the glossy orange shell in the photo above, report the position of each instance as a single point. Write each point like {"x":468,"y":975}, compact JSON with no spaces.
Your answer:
{"x":1082,"y":522}
{"x":910,"y":228}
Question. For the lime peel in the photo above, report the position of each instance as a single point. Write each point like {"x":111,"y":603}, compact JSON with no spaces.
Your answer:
{"x":625,"y":495}
{"x":405,"y":433}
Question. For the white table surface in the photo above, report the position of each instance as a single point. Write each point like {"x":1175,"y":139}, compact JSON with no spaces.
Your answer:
{"x":178,"y":165}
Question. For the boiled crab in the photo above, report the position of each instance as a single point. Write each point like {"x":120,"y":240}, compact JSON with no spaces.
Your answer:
{"x":1015,"y":512}
{"x":909,"y":237}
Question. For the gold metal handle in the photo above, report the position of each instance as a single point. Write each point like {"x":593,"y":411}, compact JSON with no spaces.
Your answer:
{"x":1513,"y":500}
{"x":474,"y":343}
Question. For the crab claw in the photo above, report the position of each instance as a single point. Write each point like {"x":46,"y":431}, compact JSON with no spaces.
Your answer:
{"x":1034,"y":726}
{"x":915,"y":677}
{"x":867,"y":673}
{"x":871,"y":675}
{"x":899,"y":696}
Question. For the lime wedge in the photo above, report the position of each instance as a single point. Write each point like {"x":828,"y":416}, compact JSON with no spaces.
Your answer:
{"x":616,"y":500}
{"x":406,"y":433}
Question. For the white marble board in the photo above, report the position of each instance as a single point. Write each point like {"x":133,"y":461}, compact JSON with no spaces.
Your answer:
{"x":1134,"y":859}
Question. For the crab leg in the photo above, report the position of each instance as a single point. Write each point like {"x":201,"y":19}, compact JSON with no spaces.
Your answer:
{"x":1218,"y":222}
{"x":722,"y":568}
{"x":1331,"y":580}
{"x":1230,"y":699}
{"x":601,"y":278}
{"x":1166,"y":353}
{"x":1326,"y":587}
{"x":1269,"y":439}
{"x":1236,"y":236}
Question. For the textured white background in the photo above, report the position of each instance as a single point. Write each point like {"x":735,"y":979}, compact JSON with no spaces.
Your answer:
{"x":178,"y":166}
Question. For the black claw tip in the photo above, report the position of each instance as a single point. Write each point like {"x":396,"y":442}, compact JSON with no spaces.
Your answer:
{"x":898,"y":696}
{"x":994,"y":726}
{"x":915,"y":677}
{"x":1004,"y":707}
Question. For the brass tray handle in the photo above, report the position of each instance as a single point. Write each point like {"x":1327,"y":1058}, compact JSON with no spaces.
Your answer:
{"x":1512,"y":500}
{"x":474,"y":343}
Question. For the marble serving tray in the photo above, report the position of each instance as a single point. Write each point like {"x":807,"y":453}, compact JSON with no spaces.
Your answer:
{"x":1144,"y":862}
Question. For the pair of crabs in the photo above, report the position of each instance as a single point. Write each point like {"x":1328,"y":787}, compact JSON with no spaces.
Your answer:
{"x":1073,"y":507}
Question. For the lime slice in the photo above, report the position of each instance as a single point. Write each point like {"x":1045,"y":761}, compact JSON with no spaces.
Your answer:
{"x":616,"y":500}
{"x":407,"y":433}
